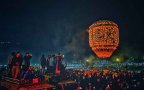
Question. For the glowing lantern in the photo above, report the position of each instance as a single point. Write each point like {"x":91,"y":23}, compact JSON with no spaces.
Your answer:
{"x":103,"y":38}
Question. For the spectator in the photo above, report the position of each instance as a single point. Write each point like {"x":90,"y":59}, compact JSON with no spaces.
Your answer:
{"x":27,"y":58}
{"x":43,"y":61}
{"x":16,"y":65}
{"x":10,"y":58}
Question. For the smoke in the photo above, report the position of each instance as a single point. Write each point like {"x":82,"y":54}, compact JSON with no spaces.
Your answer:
{"x":71,"y":40}
{"x":131,"y":51}
{"x":77,"y":47}
{"x":128,"y":51}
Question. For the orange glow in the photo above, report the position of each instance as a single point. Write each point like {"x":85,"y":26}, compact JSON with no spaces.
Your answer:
{"x":103,"y":38}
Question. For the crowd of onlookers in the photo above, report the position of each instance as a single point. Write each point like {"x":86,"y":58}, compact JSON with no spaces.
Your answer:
{"x":105,"y":80}
{"x":100,"y":80}
{"x":19,"y":67}
{"x":91,"y":79}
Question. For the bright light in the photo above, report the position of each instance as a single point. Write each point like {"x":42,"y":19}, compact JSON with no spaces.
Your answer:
{"x":87,"y":60}
{"x":117,"y":59}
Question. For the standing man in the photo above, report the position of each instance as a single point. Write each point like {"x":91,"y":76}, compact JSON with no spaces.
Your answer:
{"x":48,"y":62}
{"x":16,"y":65}
{"x":27,"y":58}
{"x":52,"y":64}
{"x":43,"y":61}
{"x":10,"y":58}
{"x":58,"y":58}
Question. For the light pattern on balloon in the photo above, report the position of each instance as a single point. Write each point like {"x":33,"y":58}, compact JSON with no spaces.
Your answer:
{"x":103,"y":38}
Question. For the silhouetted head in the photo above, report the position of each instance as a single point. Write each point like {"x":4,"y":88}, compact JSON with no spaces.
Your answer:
{"x":49,"y":55}
{"x":18,"y":54}
{"x":27,"y":54}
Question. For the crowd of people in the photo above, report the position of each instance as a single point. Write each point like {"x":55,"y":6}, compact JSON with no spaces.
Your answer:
{"x":91,"y":79}
{"x":19,"y":67}
{"x":104,"y":80}
{"x":15,"y":63}
{"x":52,"y":62}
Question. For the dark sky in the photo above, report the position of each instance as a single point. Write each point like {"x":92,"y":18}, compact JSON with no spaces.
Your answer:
{"x":49,"y":26}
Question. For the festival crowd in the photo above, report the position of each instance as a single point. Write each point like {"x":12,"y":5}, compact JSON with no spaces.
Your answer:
{"x":106,"y":80}
{"x":19,"y":67}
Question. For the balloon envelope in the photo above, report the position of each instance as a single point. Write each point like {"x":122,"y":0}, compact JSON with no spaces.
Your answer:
{"x":103,"y":38}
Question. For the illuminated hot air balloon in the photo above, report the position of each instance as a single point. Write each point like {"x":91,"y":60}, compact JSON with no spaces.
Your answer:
{"x":103,"y":38}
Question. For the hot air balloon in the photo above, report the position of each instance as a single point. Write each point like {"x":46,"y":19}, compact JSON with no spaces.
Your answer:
{"x":103,"y":38}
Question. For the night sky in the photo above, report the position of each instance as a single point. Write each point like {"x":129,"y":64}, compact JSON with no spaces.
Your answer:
{"x":51,"y":26}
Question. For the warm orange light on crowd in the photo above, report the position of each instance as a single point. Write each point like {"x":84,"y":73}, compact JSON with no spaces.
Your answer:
{"x":103,"y":38}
